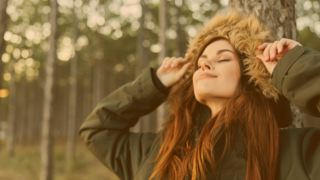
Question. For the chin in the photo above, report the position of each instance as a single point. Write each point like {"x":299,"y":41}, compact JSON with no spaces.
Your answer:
{"x":203,"y":97}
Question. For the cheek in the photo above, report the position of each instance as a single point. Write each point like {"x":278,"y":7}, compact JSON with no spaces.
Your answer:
{"x":195,"y":74}
{"x":234,"y":74}
{"x":194,"y":83}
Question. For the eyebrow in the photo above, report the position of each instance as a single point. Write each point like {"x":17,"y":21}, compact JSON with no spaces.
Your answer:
{"x":218,"y":52}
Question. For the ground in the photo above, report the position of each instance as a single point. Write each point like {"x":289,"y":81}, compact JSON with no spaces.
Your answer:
{"x":25,"y":165}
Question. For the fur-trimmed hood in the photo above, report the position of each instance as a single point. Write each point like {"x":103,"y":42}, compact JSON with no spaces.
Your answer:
{"x":245,"y":33}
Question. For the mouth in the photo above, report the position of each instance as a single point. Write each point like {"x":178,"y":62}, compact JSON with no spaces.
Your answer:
{"x":206,"y":75}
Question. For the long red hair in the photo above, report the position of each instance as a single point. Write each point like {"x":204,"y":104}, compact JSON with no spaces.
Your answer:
{"x":247,"y":115}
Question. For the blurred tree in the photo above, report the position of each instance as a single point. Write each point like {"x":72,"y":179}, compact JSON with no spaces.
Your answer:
{"x":12,"y":111}
{"x":30,"y":116}
{"x":72,"y":97}
{"x":46,"y":144}
{"x":3,"y":28}
{"x":141,"y":62}
{"x":280,"y":17}
{"x":180,"y":44}
{"x":21,"y":111}
{"x":161,"y":110}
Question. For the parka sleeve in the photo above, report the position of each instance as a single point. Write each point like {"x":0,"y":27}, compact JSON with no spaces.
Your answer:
{"x":106,"y":130}
{"x":297,"y":76}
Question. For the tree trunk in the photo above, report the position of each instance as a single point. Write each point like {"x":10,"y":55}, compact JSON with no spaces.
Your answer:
{"x":97,"y":81}
{"x":38,"y":110}
{"x":179,"y":43}
{"x":141,"y":61}
{"x":3,"y":28}
{"x":280,"y":17}
{"x":72,"y":98}
{"x":21,"y":122}
{"x":31,"y":111}
{"x":161,"y":110}
{"x":86,"y":83}
{"x":11,"y":115}
{"x":46,"y":144}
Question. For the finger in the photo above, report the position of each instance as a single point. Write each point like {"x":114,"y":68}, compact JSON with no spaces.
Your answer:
{"x":288,"y":43}
{"x":164,"y":62}
{"x":168,"y":63}
{"x":273,"y":50}
{"x":268,"y":64}
{"x":176,"y":62}
{"x":184,"y":69}
{"x":285,"y":42}
{"x":186,"y":55}
{"x":266,"y":52}
{"x":280,"y":46}
{"x":262,"y":46}
{"x":261,"y":57}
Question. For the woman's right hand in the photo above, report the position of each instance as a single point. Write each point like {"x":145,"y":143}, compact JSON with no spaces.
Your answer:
{"x":172,"y":70}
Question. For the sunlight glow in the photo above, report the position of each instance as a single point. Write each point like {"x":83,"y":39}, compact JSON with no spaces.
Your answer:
{"x":7,"y":36}
{"x":131,"y":10}
{"x":5,"y":57}
{"x":29,"y":62}
{"x":4,"y":93}
{"x":9,"y":48}
{"x":16,"y":53}
{"x":307,"y":5}
{"x":25,"y":53}
{"x":118,"y":67}
{"x":7,"y":76}
{"x":156,"y":48}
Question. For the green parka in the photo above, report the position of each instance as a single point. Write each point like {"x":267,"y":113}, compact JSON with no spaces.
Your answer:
{"x":129,"y":155}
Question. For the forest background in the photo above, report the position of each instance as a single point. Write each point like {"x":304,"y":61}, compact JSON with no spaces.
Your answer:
{"x":100,"y":45}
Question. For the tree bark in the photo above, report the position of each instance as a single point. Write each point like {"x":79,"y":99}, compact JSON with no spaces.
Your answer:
{"x":38,"y":110}
{"x":12,"y":109}
{"x":31,"y":111}
{"x":141,"y":61}
{"x":46,"y":144}
{"x":21,"y":120}
{"x":161,"y":110}
{"x":280,"y":17}
{"x":86,"y":84}
{"x":72,"y":98}
{"x":179,"y":44}
{"x":3,"y":28}
{"x":97,"y":80}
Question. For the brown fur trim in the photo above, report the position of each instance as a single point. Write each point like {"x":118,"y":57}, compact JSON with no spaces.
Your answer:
{"x":245,"y":33}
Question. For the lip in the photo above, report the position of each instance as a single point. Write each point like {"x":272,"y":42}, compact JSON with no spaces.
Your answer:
{"x":206,"y":75}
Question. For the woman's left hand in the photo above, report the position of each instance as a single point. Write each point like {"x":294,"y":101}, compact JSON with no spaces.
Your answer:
{"x":273,"y":52}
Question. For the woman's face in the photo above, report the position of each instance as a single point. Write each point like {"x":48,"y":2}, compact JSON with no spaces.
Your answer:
{"x":218,"y":72}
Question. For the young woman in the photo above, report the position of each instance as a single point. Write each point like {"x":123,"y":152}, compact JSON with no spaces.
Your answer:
{"x":223,"y":119}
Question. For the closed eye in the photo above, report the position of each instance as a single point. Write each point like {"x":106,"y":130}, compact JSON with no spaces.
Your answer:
{"x":218,"y":61}
{"x":224,"y":60}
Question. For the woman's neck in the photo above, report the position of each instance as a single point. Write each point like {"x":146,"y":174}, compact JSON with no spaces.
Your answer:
{"x":216,"y":105}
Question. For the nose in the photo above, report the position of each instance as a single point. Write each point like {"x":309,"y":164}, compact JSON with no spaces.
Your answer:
{"x":205,"y":64}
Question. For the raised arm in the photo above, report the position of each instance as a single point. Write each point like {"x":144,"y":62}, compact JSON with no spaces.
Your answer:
{"x":295,"y":72}
{"x":106,"y":129}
